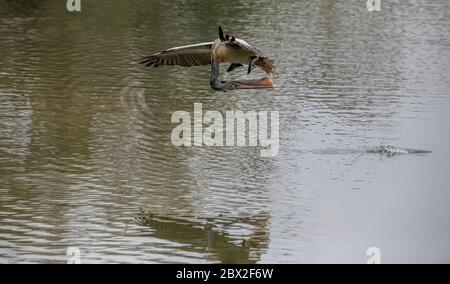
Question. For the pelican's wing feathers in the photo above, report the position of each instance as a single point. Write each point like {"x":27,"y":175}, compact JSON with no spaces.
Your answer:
{"x":186,"y":56}
{"x":242,"y":44}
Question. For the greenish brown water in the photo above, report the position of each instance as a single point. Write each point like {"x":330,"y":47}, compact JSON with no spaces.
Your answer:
{"x":86,"y":158}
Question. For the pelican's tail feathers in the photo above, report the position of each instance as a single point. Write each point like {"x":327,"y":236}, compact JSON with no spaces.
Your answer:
{"x":267,"y":65}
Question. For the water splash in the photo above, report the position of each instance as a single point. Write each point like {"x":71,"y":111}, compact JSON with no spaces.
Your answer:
{"x":390,"y":151}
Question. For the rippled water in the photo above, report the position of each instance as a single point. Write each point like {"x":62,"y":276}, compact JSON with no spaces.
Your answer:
{"x":86,"y":158}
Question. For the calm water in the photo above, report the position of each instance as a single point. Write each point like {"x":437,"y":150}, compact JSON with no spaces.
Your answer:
{"x":86,"y":158}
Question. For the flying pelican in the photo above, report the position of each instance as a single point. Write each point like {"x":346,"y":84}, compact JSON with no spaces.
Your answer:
{"x":225,"y":49}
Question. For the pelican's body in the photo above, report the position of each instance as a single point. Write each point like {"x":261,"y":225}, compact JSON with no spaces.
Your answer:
{"x":226,"y":49}
{"x":235,"y":55}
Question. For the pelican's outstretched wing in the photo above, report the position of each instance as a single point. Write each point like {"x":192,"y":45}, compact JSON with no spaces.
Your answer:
{"x":186,"y":56}
{"x":237,"y":43}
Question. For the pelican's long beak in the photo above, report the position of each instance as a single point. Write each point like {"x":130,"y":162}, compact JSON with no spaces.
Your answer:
{"x":263,"y":83}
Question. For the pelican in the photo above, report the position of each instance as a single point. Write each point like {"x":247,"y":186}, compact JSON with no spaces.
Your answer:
{"x":225,"y":49}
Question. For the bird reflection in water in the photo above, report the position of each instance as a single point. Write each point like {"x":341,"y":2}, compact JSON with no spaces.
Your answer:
{"x":236,"y":240}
